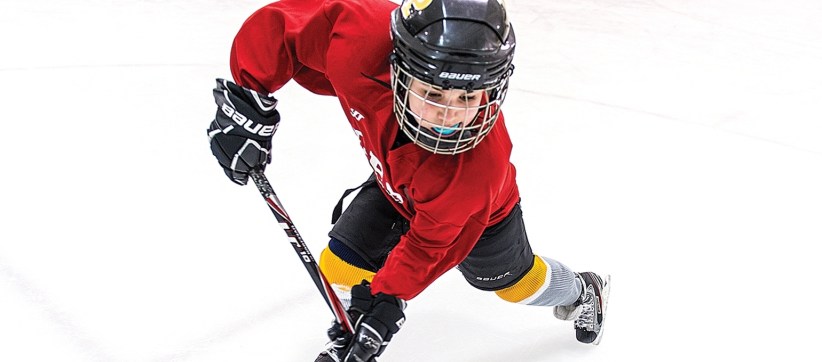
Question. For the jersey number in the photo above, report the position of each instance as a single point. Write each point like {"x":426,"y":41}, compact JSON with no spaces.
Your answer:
{"x":379,"y":170}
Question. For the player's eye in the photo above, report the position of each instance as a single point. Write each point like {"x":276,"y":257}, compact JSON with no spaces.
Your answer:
{"x":468,"y":98}
{"x":433,"y":95}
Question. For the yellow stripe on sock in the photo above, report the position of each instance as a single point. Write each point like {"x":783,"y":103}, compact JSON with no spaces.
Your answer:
{"x":528,"y":285}
{"x":341,"y":274}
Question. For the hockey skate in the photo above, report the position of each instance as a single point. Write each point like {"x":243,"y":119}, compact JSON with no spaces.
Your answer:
{"x":328,"y":356}
{"x":339,"y":340}
{"x":588,"y":313}
{"x":332,"y":351}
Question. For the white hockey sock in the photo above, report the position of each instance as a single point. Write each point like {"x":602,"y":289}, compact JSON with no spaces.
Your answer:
{"x":548,"y":283}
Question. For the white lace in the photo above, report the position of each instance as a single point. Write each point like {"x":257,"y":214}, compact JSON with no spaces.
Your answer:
{"x":587,"y":318}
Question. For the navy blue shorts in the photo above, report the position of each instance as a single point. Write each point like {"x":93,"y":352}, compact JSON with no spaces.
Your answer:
{"x":371,"y":227}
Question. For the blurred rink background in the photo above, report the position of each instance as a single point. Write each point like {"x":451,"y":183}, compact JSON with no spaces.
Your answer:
{"x":674,"y":144}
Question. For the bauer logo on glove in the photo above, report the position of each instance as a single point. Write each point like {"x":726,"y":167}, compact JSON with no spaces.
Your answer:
{"x":241,"y":131}
{"x":248,"y":124}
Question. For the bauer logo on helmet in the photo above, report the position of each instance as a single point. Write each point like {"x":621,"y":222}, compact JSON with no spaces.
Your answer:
{"x":459,"y":76}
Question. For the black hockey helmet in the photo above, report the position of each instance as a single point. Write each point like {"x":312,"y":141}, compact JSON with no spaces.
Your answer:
{"x":450,"y":45}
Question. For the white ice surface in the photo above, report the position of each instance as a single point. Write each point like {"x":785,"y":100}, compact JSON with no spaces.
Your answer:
{"x":674,"y":144}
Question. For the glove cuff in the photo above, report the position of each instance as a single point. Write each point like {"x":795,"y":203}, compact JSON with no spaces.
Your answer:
{"x":389,"y":315}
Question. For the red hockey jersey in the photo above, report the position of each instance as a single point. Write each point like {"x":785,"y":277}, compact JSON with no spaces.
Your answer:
{"x":341,"y":48}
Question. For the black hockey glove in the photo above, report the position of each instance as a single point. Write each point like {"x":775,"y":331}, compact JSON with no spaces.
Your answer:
{"x":377,"y":319}
{"x":241,"y":132}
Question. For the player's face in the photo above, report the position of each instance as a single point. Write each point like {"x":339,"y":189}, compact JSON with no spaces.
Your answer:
{"x":443,"y":111}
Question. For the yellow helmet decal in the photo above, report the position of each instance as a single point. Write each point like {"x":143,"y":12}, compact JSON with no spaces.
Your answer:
{"x":417,"y":4}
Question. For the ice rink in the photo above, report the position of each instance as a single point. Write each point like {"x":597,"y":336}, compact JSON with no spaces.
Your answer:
{"x":674,"y":144}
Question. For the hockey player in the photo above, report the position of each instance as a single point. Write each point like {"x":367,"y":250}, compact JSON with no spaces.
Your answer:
{"x":421,"y":84}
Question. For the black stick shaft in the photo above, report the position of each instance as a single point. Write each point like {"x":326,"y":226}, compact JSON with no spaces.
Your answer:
{"x":301,"y":248}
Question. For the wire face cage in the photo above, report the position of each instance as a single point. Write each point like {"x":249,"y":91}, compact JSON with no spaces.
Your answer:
{"x":444,"y":121}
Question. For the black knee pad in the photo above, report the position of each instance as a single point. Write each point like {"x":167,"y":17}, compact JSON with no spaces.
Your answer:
{"x":502,"y":255}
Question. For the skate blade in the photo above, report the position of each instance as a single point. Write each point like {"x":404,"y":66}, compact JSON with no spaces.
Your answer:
{"x":606,"y":291}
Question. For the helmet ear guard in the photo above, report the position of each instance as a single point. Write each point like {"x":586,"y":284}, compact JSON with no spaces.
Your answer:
{"x":451,"y":45}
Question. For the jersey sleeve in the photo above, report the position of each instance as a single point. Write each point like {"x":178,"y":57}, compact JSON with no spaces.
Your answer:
{"x":455,"y":198}
{"x":284,"y":40}
{"x":447,"y":223}
{"x":428,"y":250}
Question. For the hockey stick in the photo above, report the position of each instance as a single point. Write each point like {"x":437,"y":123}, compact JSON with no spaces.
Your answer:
{"x":302,"y":250}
